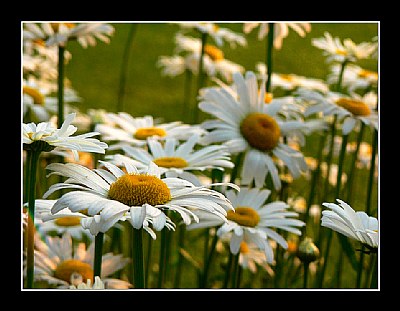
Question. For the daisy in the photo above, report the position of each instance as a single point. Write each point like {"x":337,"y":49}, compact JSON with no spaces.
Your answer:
{"x":61,"y":222}
{"x":246,"y":124}
{"x":124,"y":128}
{"x":98,"y":284}
{"x":60,"y":33}
{"x":57,"y":263}
{"x":346,"y":51}
{"x":253,"y":221}
{"x":281,"y":31}
{"x":113,"y":194}
{"x":352,"y":109}
{"x":219,"y":34}
{"x":356,"y":225}
{"x":177,"y":160}
{"x":354,"y":77}
{"x":47,"y":137}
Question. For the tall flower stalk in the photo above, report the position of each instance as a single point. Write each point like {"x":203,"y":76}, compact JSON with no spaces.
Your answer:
{"x":270,"y":47}
{"x":200,"y":77}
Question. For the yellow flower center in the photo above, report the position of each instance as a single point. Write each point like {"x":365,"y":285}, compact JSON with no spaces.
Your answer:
{"x":144,"y":132}
{"x":287,"y":77}
{"x":363,"y":73}
{"x":244,"y":216}
{"x":171,"y":162}
{"x":67,"y":267}
{"x":214,"y":52}
{"x":68,"y":221}
{"x":244,"y":248}
{"x":261,"y":131}
{"x":55,"y":26}
{"x":138,"y":189}
{"x":356,"y":107}
{"x":38,"y":98}
{"x":341,"y":52}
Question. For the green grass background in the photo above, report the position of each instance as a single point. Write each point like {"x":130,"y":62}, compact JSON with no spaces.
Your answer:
{"x":95,"y":74}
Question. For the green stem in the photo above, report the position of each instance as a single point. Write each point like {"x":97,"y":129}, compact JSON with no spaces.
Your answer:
{"x":148,"y":259}
{"x":270,"y":47}
{"x":98,"y":253}
{"x":60,"y":81}
{"x":235,"y":169}
{"x":374,"y":278}
{"x":235,"y":271}
{"x":208,"y":260}
{"x":137,"y":257}
{"x":163,"y":253}
{"x":228,"y":270}
{"x":187,"y":92}
{"x":200,"y":77}
{"x":27,"y":174}
{"x":30,"y":257}
{"x":372,"y":171}
{"x":340,"y":77}
{"x":306,"y":265}
{"x":181,"y":241}
{"x":124,"y":68}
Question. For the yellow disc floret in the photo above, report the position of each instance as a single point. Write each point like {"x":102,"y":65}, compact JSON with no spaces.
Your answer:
{"x":144,"y":132}
{"x":244,"y":216}
{"x":138,"y":189}
{"x":68,"y":221}
{"x":67,"y":267}
{"x":38,"y":98}
{"x":214,"y":52}
{"x":261,"y":131}
{"x":356,"y":107}
{"x":169,"y":162}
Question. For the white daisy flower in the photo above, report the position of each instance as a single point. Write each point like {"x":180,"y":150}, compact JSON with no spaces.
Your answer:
{"x":253,"y":221}
{"x":47,"y":137}
{"x":246,"y":124}
{"x":60,"y":33}
{"x":356,"y":225}
{"x":124,"y":128}
{"x":176,"y":160}
{"x":351,"y":109}
{"x":281,"y":31}
{"x":219,"y":34}
{"x":336,"y":51}
{"x":57,"y":263}
{"x":354,"y":77}
{"x":61,"y":222}
{"x":113,"y":194}
{"x":98,"y":284}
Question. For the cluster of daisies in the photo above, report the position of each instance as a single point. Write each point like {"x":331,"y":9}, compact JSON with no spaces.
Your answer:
{"x":110,"y":172}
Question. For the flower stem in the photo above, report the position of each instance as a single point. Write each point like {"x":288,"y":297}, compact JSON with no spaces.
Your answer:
{"x":60,"y":81}
{"x":235,"y":272}
{"x":200,"y":77}
{"x":374,"y":278}
{"x":340,"y":77}
{"x":181,"y":241}
{"x":124,"y":67}
{"x":186,"y":92}
{"x":148,"y":259}
{"x":270,"y":46}
{"x":98,"y":254}
{"x":208,"y":261}
{"x":137,"y":257}
{"x":306,"y":265}
{"x":228,"y":270}
{"x":30,"y":257}
{"x":162,"y":262}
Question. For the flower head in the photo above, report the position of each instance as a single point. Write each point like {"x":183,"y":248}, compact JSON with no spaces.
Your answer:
{"x":113,"y":194}
{"x":246,"y":124}
{"x":355,"y":225}
{"x":47,"y":137}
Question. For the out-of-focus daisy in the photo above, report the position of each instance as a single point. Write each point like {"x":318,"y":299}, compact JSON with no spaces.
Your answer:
{"x":60,"y":33}
{"x":356,"y":225}
{"x":352,"y":109}
{"x":57,"y":263}
{"x":333,"y":171}
{"x":214,"y":61}
{"x":124,"y":128}
{"x":354,"y":77}
{"x":50,"y":137}
{"x":113,"y":194}
{"x":336,"y":51}
{"x":290,"y":82}
{"x":177,"y":160}
{"x":219,"y":34}
{"x":246,"y":124}
{"x":64,"y":221}
{"x":253,"y":221}
{"x":98,"y":284}
{"x":281,"y":31}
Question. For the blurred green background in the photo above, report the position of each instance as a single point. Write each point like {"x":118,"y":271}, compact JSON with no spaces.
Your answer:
{"x":95,"y":75}
{"x":95,"y":71}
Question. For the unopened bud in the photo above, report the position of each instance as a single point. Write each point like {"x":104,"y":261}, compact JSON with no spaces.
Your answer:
{"x":307,"y":251}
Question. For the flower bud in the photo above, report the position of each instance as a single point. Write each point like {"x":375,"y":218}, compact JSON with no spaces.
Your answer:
{"x":307,"y":251}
